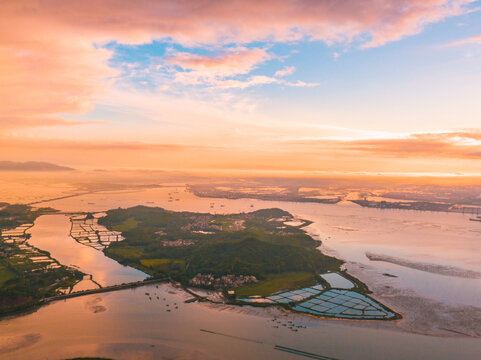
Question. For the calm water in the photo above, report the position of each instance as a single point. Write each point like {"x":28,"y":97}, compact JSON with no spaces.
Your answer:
{"x":349,"y":231}
{"x":51,"y":233}
{"x":127,"y":324}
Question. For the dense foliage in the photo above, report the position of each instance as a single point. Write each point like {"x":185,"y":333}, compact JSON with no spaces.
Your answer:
{"x":254,"y":257}
{"x":256,"y":243}
{"x":14,"y":215}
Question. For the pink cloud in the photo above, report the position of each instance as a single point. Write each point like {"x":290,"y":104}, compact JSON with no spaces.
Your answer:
{"x":470,"y":40}
{"x":236,"y":20}
{"x":42,"y":78}
{"x":229,"y":63}
{"x":203,"y":68}
{"x":49,"y":64}
{"x":288,"y":70}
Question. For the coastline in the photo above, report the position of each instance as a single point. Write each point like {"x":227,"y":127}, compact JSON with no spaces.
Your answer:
{"x":420,"y":315}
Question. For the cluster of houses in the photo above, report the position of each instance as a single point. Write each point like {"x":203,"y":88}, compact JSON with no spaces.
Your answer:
{"x":202,"y":223}
{"x":229,"y":281}
{"x":179,"y":242}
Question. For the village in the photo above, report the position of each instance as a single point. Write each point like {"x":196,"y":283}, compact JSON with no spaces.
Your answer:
{"x":226,"y":281}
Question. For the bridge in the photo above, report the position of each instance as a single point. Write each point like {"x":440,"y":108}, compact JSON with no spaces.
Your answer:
{"x":105,"y":289}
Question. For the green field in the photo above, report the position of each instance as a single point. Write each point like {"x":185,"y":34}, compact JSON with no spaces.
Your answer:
{"x":14,"y":215}
{"x":125,"y":252}
{"x":162,"y":264}
{"x":126,"y":225}
{"x":273,"y":283}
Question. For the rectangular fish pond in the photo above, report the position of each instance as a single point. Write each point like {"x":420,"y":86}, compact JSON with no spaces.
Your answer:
{"x":329,"y":302}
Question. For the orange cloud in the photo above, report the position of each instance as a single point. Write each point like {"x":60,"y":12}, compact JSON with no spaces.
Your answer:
{"x":455,"y":145}
{"x":259,"y":80}
{"x":43,"y":76}
{"x":447,"y":153}
{"x":82,"y":146}
{"x":462,"y":145}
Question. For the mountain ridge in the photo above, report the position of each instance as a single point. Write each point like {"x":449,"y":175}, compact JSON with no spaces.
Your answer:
{"x":32,"y":166}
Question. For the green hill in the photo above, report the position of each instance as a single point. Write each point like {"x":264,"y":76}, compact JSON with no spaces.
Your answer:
{"x":258,"y":243}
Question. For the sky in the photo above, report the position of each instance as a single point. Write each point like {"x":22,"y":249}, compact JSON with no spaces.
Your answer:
{"x":374,"y":86}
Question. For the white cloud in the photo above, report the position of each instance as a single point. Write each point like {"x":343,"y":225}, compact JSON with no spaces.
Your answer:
{"x":288,"y":70}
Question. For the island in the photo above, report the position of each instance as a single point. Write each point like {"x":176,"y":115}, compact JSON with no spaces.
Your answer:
{"x":290,"y":194}
{"x":418,"y":205}
{"x":260,"y":258}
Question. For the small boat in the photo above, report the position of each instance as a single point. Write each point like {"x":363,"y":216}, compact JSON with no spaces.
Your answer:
{"x":475,"y":219}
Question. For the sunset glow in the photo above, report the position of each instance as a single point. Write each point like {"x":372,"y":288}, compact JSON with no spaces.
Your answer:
{"x":277,"y":85}
{"x":240,"y":179}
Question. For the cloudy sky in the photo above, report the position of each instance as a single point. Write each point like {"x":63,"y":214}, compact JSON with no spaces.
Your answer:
{"x":314,"y":85}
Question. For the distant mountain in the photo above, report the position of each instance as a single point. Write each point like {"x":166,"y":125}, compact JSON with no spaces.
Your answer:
{"x":31,"y":166}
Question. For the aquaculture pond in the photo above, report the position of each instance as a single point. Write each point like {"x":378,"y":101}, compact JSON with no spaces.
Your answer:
{"x":52,"y":233}
{"x":345,"y":304}
{"x":337,"y":281}
{"x":87,"y":231}
{"x":329,"y":302}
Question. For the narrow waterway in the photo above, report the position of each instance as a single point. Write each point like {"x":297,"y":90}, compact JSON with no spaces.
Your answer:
{"x":51,"y":233}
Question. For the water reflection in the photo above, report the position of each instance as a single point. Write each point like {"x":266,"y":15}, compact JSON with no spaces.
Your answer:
{"x":349,"y":230}
{"x":131,"y":324}
{"x":51,"y":233}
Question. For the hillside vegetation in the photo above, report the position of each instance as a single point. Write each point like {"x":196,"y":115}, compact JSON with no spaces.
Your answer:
{"x":182,"y":244}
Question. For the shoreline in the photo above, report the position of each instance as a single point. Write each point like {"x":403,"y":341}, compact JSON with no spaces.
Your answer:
{"x":410,"y":306}
{"x":414,"y":309}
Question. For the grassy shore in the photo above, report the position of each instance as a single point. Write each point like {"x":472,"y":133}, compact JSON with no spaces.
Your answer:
{"x":277,"y":282}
